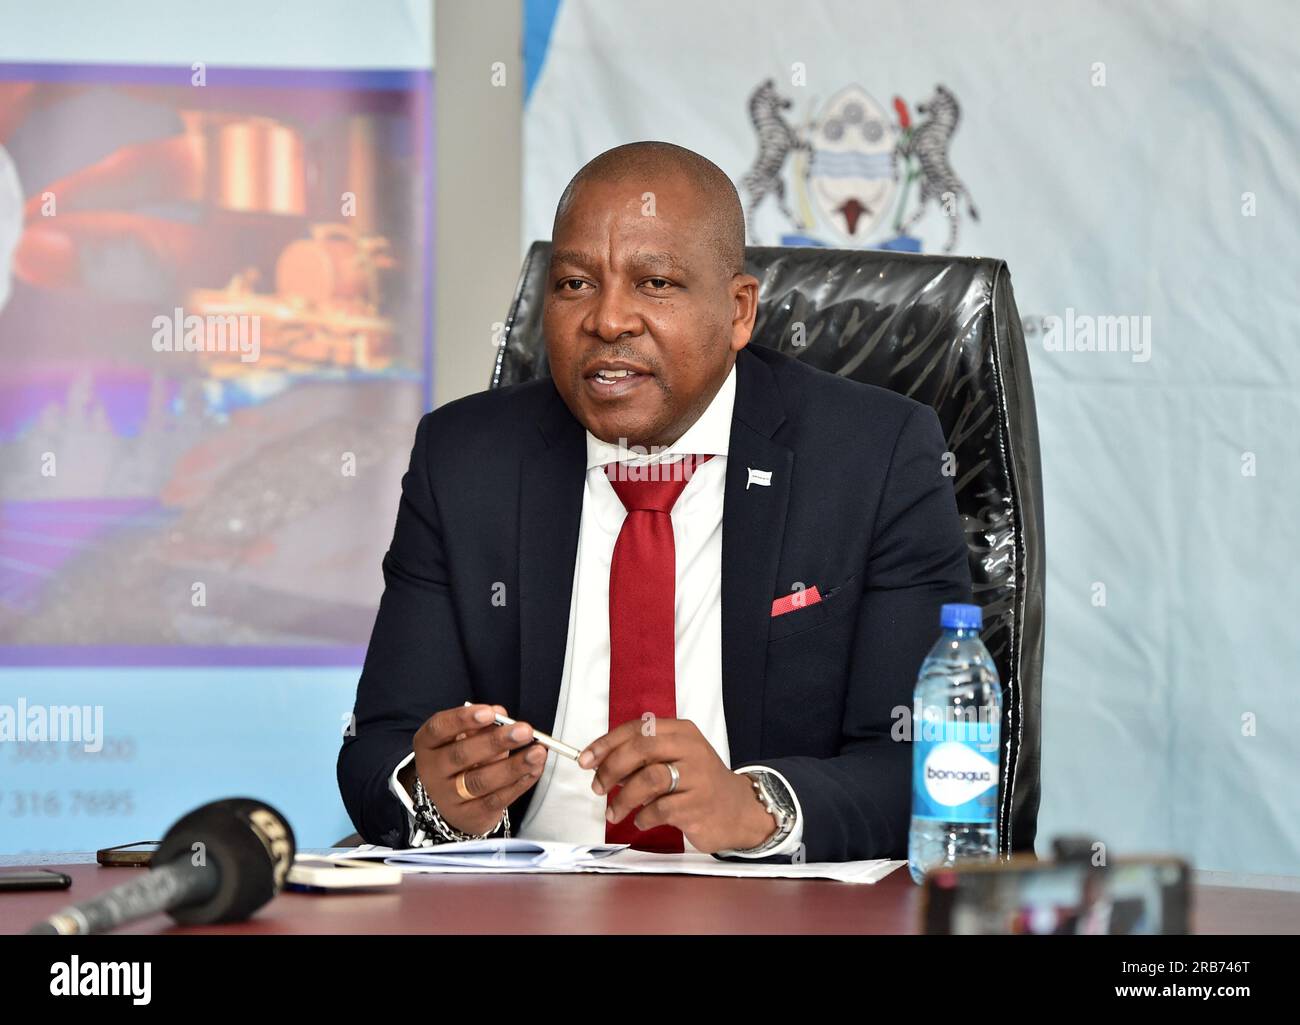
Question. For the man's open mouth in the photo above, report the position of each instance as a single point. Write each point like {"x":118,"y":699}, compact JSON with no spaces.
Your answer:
{"x":609,"y":376}
{"x":615,"y":379}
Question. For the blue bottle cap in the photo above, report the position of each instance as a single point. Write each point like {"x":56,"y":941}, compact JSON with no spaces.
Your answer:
{"x":961,"y":617}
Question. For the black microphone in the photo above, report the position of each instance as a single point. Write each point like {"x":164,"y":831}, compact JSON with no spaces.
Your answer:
{"x":219,"y":863}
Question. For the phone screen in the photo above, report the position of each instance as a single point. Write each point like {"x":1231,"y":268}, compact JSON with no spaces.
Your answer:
{"x":1129,"y":897}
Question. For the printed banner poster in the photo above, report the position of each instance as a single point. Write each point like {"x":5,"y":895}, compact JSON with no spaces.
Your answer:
{"x":215,"y":342}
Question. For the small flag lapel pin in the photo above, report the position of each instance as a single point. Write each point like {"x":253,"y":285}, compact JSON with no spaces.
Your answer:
{"x":760,"y":477}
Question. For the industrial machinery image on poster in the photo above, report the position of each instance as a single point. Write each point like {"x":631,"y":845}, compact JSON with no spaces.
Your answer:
{"x":214,"y":347}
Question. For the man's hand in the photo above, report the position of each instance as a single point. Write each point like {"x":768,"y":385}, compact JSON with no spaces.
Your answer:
{"x":464,"y":740}
{"x":714,"y":807}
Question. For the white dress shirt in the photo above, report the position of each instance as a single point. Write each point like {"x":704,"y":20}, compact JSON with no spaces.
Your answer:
{"x":564,"y":806}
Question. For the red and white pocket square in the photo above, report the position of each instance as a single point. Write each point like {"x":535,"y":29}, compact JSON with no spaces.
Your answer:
{"x":799,"y":599}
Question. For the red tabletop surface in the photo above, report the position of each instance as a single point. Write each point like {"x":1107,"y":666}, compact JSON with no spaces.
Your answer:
{"x":601,"y":904}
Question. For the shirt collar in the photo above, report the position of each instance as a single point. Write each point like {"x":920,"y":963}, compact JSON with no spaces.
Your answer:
{"x":709,"y":435}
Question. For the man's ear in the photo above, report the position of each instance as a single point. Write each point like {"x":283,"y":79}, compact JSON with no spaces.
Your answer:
{"x":744,"y":307}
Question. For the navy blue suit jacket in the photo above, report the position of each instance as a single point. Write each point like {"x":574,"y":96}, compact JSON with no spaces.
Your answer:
{"x":858,"y":505}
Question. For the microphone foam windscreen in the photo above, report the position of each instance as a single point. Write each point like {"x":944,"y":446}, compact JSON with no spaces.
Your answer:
{"x":247,"y":844}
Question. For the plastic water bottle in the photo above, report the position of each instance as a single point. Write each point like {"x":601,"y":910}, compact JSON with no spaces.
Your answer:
{"x":956,"y":723}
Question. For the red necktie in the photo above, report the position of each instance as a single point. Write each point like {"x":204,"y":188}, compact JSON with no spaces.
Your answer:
{"x":642,"y":638}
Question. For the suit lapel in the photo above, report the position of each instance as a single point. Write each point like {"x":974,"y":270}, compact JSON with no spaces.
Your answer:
{"x":753,"y":525}
{"x":550,"y":512}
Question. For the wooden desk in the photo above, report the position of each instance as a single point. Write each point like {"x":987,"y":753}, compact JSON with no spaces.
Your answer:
{"x":606,"y":904}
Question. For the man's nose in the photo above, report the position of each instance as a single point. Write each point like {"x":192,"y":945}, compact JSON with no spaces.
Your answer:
{"x":613,"y":315}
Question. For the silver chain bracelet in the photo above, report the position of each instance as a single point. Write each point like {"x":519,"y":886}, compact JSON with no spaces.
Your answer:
{"x":430,"y":822}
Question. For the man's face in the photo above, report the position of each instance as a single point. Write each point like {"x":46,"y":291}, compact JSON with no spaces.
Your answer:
{"x":642,"y":324}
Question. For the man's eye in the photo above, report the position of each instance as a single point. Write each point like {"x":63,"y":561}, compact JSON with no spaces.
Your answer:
{"x":571,"y":281}
{"x":658,"y":282}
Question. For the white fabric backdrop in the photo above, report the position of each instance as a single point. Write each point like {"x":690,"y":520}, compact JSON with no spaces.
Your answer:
{"x":1113,"y":152}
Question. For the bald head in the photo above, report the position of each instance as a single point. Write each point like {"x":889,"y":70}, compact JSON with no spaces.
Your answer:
{"x":648,"y":302}
{"x":644,"y":164}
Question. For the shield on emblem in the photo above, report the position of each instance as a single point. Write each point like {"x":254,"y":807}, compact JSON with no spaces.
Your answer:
{"x":853,"y":176}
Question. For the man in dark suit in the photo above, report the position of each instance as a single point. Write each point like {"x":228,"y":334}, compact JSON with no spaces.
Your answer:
{"x":714,"y":568}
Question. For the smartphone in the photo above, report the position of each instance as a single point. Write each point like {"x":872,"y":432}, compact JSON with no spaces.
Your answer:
{"x":128,"y":855}
{"x":34,"y":879}
{"x":1025,"y":896}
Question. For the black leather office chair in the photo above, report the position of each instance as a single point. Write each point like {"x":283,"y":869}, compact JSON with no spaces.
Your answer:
{"x":945,"y":331}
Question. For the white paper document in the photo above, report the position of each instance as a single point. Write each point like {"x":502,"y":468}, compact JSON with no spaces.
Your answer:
{"x":495,"y":855}
{"x":520,"y":855}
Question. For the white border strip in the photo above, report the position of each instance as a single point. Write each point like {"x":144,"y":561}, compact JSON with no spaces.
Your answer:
{"x":1208,"y":877}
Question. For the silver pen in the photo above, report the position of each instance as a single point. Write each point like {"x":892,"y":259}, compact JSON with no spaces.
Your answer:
{"x":545,"y":739}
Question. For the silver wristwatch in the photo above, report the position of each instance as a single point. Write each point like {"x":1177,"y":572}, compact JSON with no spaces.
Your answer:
{"x":774,"y":796}
{"x":429,"y":823}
